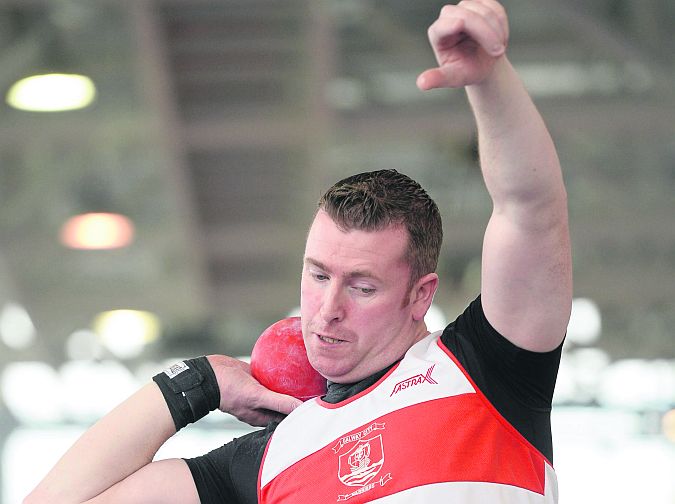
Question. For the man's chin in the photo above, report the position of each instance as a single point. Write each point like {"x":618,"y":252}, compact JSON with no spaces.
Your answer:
{"x":333,"y":373}
{"x":345,"y":377}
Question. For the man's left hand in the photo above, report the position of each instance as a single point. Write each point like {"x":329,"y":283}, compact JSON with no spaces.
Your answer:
{"x":467,"y":39}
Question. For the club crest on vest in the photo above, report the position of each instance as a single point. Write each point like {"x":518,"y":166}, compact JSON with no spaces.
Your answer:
{"x":360,"y":465}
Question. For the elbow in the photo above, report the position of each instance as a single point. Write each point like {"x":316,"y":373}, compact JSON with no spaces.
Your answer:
{"x":535,"y":216}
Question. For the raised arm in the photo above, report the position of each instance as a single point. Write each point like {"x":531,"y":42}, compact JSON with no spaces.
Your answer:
{"x":526,"y":281}
{"x":112,"y":461}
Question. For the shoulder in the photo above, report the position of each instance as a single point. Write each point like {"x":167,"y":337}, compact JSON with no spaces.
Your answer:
{"x":468,"y":328}
{"x":493,"y":361}
{"x":471,"y":331}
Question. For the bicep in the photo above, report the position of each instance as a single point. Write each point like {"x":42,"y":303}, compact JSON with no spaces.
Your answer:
{"x":526,"y":284}
{"x":165,"y":481}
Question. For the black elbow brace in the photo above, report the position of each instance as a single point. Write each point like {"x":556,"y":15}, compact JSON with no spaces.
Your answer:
{"x":190,"y":390}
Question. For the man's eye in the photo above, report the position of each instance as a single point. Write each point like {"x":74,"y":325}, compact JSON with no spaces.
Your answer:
{"x":365,"y":290}
{"x":320,"y":277}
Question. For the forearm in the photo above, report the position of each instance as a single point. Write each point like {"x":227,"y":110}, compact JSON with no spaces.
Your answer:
{"x":118,"y":445}
{"x":112,"y":460}
{"x":518,"y":158}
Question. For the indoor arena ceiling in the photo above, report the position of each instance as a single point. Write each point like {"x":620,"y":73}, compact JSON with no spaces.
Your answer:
{"x":218,"y":123}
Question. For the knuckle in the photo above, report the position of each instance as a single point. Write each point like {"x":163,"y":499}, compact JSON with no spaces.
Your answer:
{"x":255,"y":403}
{"x":280,"y":406}
{"x":447,"y":9}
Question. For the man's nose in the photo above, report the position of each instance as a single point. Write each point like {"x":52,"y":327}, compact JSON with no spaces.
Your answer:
{"x":332,"y":304}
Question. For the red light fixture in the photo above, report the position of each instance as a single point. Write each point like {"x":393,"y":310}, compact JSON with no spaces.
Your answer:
{"x":97,"y":231}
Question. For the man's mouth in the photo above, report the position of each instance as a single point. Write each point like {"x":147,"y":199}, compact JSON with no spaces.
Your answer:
{"x":332,"y":341}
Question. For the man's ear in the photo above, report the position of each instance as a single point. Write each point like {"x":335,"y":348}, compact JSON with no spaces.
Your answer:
{"x":422,"y":294}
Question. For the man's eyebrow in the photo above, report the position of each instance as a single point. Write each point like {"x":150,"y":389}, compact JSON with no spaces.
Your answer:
{"x":314,"y":262}
{"x":350,"y":274}
{"x":362,"y":274}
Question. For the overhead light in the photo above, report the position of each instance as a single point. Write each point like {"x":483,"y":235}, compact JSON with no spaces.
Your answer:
{"x":22,"y":382}
{"x":53,"y":92}
{"x":126,"y":332}
{"x":84,"y":344}
{"x":668,"y":425}
{"x":585,"y":324}
{"x":97,"y":230}
{"x":16,"y":327}
{"x":636,"y":384}
{"x":90,"y":389}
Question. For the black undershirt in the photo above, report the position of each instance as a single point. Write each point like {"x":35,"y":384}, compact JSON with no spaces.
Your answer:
{"x":518,"y":383}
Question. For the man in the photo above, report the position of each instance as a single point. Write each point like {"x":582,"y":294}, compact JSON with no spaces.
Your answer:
{"x":409,"y":416}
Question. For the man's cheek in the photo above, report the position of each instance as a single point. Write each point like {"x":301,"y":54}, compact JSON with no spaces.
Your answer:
{"x":308,"y":305}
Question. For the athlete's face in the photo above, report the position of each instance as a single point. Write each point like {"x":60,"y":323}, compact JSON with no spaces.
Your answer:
{"x":357,"y":314}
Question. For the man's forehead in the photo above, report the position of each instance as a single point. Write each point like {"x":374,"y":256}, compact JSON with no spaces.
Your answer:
{"x":363,"y":250}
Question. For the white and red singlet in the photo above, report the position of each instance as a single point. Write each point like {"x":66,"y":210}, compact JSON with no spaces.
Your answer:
{"x":423,"y":433}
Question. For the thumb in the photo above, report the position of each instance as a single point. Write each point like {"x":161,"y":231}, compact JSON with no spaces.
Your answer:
{"x":279,"y":402}
{"x":431,"y":79}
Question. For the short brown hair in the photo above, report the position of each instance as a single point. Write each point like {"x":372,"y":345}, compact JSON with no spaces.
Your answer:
{"x":373,"y":201}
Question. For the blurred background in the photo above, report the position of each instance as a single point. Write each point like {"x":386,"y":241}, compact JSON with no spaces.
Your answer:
{"x":155,"y":199}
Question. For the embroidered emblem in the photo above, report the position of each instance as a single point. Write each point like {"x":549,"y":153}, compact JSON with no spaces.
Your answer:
{"x":360,"y":465}
{"x":414,"y":380}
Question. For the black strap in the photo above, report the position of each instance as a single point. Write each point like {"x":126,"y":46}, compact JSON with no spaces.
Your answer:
{"x":190,"y":390}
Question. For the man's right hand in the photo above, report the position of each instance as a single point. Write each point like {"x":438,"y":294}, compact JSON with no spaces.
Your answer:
{"x":244,"y":397}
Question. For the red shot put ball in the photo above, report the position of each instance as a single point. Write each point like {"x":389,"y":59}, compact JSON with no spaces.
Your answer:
{"x":279,"y":361}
